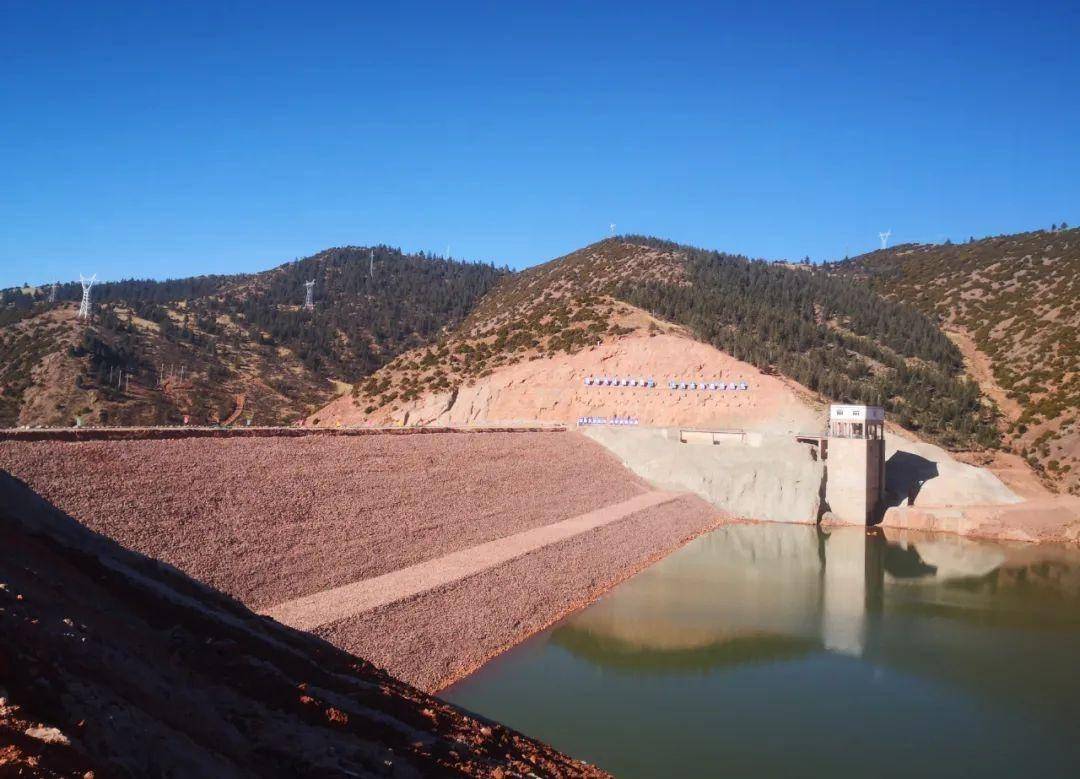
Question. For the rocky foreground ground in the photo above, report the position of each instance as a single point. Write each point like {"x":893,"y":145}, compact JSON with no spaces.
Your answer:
{"x":112,"y":664}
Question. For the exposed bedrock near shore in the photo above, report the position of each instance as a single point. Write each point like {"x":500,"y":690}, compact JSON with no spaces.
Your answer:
{"x":950,"y":496}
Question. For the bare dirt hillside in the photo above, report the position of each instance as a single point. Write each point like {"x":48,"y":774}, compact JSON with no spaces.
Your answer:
{"x":553,"y":389}
{"x":1012,"y":304}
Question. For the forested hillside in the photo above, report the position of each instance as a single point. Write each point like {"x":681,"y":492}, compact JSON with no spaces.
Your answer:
{"x":1013,"y":302}
{"x":397,"y":326}
{"x":203,"y":347}
{"x":558,"y":306}
{"x":830,"y":334}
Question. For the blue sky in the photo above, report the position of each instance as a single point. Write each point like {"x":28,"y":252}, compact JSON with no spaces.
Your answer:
{"x":155,"y":139}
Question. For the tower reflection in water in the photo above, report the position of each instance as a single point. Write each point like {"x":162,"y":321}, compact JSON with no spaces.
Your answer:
{"x":752,"y":593}
{"x":746,"y":650}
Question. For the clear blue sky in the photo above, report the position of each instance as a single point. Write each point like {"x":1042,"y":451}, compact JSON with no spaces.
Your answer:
{"x":168,"y":139}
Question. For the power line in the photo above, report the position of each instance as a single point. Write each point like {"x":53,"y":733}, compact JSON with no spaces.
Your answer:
{"x":84,"y":307}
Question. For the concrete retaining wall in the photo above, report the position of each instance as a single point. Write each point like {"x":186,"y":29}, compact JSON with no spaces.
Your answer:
{"x":778,"y":480}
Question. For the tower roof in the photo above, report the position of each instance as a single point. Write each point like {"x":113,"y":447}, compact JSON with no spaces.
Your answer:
{"x":856,"y":413}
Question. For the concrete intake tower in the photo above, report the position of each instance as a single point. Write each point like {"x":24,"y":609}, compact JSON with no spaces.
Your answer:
{"x":856,"y":462}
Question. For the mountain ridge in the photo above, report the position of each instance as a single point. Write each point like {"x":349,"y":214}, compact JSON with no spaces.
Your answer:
{"x":932,"y":332}
{"x":156,"y":352}
{"x":1013,"y":303}
{"x":826,"y":333}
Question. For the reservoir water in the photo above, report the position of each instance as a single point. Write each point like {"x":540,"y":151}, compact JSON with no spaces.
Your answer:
{"x":785,"y":650}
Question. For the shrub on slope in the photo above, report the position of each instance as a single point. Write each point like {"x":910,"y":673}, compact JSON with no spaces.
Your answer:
{"x":829,"y":334}
{"x":1018,"y":297}
{"x":244,"y":334}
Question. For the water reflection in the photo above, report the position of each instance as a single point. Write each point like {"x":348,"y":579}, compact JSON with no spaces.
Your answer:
{"x":781,"y":650}
{"x":754,"y":593}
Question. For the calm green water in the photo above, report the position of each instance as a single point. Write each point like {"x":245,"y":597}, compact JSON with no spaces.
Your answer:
{"x":775,"y":650}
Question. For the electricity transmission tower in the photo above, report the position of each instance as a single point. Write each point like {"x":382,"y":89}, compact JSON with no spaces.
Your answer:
{"x":52,"y":293}
{"x":309,"y":302}
{"x":84,"y":307}
{"x":371,"y":265}
{"x":885,"y":238}
{"x":611,"y":229}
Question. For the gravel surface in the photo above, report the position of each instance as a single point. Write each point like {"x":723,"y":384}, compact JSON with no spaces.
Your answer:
{"x":112,"y":664}
{"x":267,"y":520}
{"x":350,"y":600}
{"x":443,"y":635}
